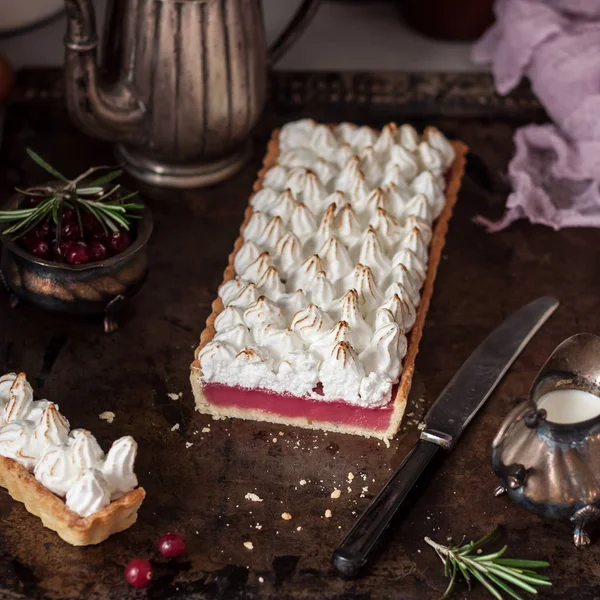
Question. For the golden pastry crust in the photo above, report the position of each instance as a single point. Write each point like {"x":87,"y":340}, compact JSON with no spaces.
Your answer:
{"x":408,"y":365}
{"x":76,"y":530}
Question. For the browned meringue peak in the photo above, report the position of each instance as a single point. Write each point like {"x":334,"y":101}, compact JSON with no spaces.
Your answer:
{"x":358,"y":194}
{"x":369,"y":296}
{"x":339,"y":333}
{"x":419,"y":206}
{"x":403,"y":310}
{"x":343,"y":155}
{"x":425,"y":183}
{"x":347,"y":227}
{"x":85,"y":450}
{"x":396,"y":198}
{"x":372,"y":256}
{"x":296,"y":180}
{"x":284,"y":205}
{"x":341,"y":372}
{"x":245,"y":256}
{"x":385,"y":141}
{"x":323,"y":141}
{"x":407,"y":136}
{"x":247,"y":296}
{"x":431,"y":159}
{"x":280,"y":342}
{"x":383,"y":316}
{"x":326,"y":226}
{"x":406,"y":161}
{"x":215,"y":351}
{"x":275,"y":178}
{"x":262,"y":313}
{"x":53,"y":428}
{"x":297,"y":157}
{"x":251,"y":355}
{"x":272,"y":234}
{"x":436,"y":139}
{"x":414,"y":241}
{"x":312,"y":193}
{"x":288,"y":253}
{"x":230,"y":289}
{"x":263,"y":199}
{"x":229,"y":317}
{"x":311,"y":323}
{"x":400,"y":276}
{"x":385,"y":352}
{"x":305,"y":273}
{"x":376,"y":199}
{"x":338,"y":198}
{"x":364,"y":136}
{"x":415,"y":222}
{"x":20,"y":399}
{"x":324,"y":171}
{"x":254,"y":271}
{"x":370,"y":166}
{"x":349,"y":312}
{"x":387,"y":228}
{"x":291,"y":303}
{"x":321,"y":290}
{"x":237,"y":336}
{"x":393,"y":175}
{"x":345,"y":131}
{"x":335,"y":257}
{"x":409,"y":259}
{"x":270,"y":284}
{"x":302,"y":222}
{"x":256,"y":225}
{"x":349,"y":175}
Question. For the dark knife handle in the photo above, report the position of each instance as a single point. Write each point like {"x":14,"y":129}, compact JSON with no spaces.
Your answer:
{"x":352,"y":555}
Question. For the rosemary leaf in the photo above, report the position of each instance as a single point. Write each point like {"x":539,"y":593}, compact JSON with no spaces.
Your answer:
{"x":102,"y":181}
{"x":48,"y":168}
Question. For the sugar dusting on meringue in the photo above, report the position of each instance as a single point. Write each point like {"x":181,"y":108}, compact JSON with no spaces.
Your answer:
{"x":70,"y":463}
{"x":329,"y":276}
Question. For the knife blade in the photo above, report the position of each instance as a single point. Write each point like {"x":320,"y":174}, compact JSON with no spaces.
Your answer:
{"x":445,"y":421}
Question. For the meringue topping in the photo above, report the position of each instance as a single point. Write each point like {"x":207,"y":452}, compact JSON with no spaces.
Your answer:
{"x":263,"y":312}
{"x":255,"y":228}
{"x":283,"y":207}
{"x":245,"y":256}
{"x":311,"y":323}
{"x":88,"y":494}
{"x":302,"y":221}
{"x":336,"y":259}
{"x":229,"y":317}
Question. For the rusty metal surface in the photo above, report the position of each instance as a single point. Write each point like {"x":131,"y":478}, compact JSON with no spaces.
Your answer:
{"x":199,"y":490}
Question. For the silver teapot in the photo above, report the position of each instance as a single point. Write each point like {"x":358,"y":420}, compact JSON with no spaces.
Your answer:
{"x":181,"y":85}
{"x":547,"y":451}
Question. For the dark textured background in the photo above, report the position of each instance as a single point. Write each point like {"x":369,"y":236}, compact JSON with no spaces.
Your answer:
{"x":200,"y":490}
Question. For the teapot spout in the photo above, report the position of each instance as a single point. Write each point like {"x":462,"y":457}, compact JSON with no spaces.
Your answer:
{"x":109,"y":112}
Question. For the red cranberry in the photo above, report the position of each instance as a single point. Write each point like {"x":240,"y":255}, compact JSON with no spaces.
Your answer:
{"x":138,"y":572}
{"x":62,"y":250}
{"x":119,"y":241}
{"x":40,"y":248}
{"x":31,"y":201}
{"x":92,"y":227}
{"x":78,"y":254}
{"x":98,"y":251}
{"x":71,"y":231}
{"x":68,"y":215}
{"x":171,"y":545}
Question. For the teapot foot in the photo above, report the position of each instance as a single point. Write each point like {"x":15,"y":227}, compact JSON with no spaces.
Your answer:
{"x":582,"y":519}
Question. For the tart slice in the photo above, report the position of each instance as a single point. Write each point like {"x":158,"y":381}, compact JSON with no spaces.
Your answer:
{"x":63,"y":476}
{"x":319,"y":317}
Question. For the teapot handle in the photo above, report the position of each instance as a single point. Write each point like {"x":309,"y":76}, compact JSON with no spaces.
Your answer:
{"x":301,"y":19}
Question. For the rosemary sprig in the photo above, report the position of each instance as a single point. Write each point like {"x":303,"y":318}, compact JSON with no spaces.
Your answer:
{"x":495,"y":573}
{"x":95,"y":196}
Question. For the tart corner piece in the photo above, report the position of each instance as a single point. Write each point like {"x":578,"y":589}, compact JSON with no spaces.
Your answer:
{"x":222,"y":401}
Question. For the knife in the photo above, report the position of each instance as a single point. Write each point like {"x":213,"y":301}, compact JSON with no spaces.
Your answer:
{"x":444,"y":424}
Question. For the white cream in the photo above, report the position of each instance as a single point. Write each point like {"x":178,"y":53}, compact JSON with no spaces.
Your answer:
{"x":344,"y":209}
{"x":569,"y":406}
{"x":70,"y":464}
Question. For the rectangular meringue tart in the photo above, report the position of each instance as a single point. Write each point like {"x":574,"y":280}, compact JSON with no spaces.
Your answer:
{"x":318,"y":319}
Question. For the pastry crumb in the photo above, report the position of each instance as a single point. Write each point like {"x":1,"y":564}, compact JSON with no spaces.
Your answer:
{"x":299,"y":528}
{"x":249,"y":545}
{"x":336,"y":493}
{"x":175,"y":427}
{"x":206,"y":430}
{"x":189,"y":444}
{"x":281,"y":433}
{"x":350,"y":476}
{"x":328,"y":514}
{"x":258,"y":526}
{"x":252,"y":497}
{"x":286,"y":516}
{"x":174,"y":396}
{"x":261,"y":580}
{"x":274,"y":440}
{"x":303,"y":482}
{"x":108,"y":416}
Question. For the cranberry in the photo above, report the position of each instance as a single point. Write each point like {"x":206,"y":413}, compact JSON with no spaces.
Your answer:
{"x":39,"y":248}
{"x":68,"y":215}
{"x":119,"y":241}
{"x":171,"y":545}
{"x":31,"y":201}
{"x":78,"y":254}
{"x":71,"y":231}
{"x":138,"y":572}
{"x":98,"y":251}
{"x":62,"y":250}
{"x":92,"y":227}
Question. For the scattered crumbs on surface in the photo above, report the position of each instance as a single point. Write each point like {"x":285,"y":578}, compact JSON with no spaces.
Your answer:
{"x":249,"y":545}
{"x":328,"y":514}
{"x":197,"y":533}
{"x":274,"y":440}
{"x":253,"y":497}
{"x":189,"y":444}
{"x":386,"y":441}
{"x":175,"y":427}
{"x":286,"y":516}
{"x":299,"y":528}
{"x":196,"y":433}
{"x":350,"y":476}
{"x":303,"y":482}
{"x":336,"y":493}
{"x":258,"y":526}
{"x":349,"y":490}
{"x":410,"y":414}
{"x":261,"y":580}
{"x":281,"y":434}
{"x":175,"y":396}
{"x":363,"y":476}
{"x":206,"y":430}
{"x":108,"y":416}
{"x":422,"y":425}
